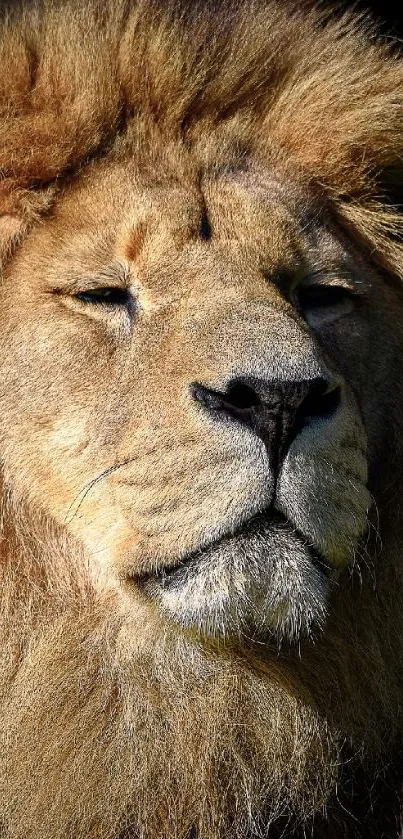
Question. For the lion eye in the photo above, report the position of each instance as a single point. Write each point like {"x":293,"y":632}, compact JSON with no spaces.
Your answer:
{"x":321,"y":304}
{"x":105,"y":296}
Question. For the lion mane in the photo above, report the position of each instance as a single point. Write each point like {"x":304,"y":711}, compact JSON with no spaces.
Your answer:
{"x":115,"y":720}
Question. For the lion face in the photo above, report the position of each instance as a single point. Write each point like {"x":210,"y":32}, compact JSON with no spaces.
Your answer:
{"x":190,"y":364}
{"x":201,"y":347}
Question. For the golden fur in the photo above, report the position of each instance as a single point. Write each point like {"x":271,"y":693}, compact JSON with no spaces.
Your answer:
{"x":122,"y":125}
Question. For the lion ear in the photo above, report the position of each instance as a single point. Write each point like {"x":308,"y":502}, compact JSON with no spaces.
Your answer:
{"x":11,"y":230}
{"x":19,"y":209}
{"x":11,"y":215}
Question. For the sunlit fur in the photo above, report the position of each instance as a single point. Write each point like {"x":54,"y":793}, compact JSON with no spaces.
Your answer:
{"x":124,"y":715}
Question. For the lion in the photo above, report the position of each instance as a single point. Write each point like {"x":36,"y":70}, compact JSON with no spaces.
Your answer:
{"x":201,"y":312}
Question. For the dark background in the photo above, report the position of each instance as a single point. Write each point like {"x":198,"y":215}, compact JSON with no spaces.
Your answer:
{"x":389,"y":14}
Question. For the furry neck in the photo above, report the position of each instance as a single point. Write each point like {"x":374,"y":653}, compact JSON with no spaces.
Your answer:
{"x":116,"y":723}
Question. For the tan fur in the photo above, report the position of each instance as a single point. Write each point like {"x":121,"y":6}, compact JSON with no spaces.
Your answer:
{"x":121,"y":125}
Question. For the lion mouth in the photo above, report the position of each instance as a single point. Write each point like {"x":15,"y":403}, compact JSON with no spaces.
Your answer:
{"x":260,"y":525}
{"x":264,"y":580}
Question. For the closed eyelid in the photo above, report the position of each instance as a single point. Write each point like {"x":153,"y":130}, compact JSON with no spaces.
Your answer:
{"x":112,"y":277}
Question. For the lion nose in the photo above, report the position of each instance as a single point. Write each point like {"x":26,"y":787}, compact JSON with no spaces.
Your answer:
{"x":276,"y":411}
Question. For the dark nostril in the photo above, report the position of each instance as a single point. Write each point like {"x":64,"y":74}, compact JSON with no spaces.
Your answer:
{"x":321,"y":402}
{"x":242,"y":397}
{"x":238,"y":397}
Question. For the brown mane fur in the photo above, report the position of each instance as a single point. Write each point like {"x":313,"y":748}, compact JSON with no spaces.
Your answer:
{"x":93,"y":721}
{"x":84,"y":78}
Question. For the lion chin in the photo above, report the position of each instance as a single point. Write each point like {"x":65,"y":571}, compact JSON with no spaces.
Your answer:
{"x":265,"y":581}
{"x":201,"y":346}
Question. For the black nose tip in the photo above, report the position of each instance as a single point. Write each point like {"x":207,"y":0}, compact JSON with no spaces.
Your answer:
{"x":272,"y":409}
